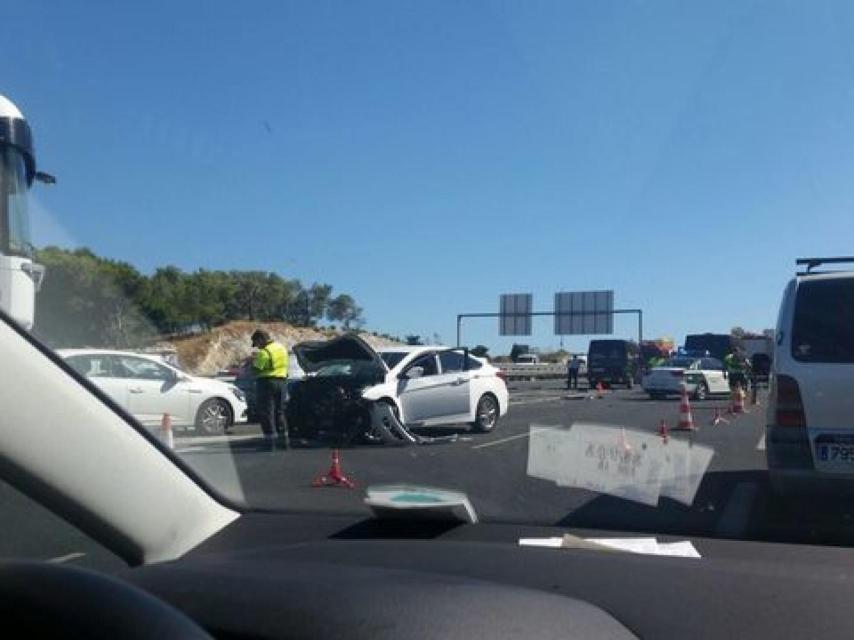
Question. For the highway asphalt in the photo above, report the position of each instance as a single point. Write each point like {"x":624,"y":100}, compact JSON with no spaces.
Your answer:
{"x":732,"y":498}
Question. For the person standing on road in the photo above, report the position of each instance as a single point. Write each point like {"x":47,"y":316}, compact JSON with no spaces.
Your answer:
{"x":572,"y":372}
{"x":271,"y":370}
{"x":736,"y":367}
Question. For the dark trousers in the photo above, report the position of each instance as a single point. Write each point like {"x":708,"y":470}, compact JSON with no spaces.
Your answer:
{"x":270,"y":394}
{"x":572,"y":379}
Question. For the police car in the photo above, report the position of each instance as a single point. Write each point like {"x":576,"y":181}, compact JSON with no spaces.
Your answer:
{"x":702,"y":376}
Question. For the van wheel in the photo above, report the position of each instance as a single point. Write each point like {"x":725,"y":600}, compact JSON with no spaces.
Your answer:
{"x":486,"y":414}
{"x":702,"y":391}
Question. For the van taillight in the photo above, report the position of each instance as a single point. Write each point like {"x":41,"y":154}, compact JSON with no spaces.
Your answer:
{"x":788,"y":406}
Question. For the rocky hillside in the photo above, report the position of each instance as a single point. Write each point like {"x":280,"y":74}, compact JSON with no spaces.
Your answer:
{"x":230,"y":344}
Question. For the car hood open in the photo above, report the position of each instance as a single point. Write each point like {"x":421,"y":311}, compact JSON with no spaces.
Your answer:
{"x":314,"y":355}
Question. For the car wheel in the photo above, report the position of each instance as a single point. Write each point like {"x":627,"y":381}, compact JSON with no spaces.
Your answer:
{"x":213,"y":417}
{"x":702,"y":391}
{"x":486,"y":414}
{"x":630,"y":383}
{"x":372,"y":435}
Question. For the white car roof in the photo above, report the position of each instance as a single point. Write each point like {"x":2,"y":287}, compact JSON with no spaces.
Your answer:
{"x":65,"y":353}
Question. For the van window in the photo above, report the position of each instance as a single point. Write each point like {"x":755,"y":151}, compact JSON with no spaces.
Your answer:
{"x":823,"y":327}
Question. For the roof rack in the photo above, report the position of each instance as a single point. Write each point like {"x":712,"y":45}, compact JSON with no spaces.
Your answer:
{"x":811,"y":263}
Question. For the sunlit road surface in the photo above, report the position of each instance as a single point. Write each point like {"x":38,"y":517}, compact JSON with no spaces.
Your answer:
{"x":733,"y":499}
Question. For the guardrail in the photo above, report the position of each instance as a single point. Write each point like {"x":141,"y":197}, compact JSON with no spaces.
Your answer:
{"x":533,"y":371}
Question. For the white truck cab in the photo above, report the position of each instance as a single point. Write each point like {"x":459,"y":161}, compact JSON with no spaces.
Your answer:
{"x":20,"y":277}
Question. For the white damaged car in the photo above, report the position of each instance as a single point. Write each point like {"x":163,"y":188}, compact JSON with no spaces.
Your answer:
{"x":346,"y":380}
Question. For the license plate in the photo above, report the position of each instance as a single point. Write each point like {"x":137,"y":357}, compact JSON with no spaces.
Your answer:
{"x":834,"y":454}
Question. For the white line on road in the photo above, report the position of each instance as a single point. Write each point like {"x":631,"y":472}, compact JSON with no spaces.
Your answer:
{"x":736,"y":514}
{"x":501,"y":441}
{"x":67,"y":557}
{"x":761,"y":445}
{"x":519,"y":403}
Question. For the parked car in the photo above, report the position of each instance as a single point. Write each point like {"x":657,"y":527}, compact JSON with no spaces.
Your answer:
{"x":423,"y":386}
{"x":612,"y":362}
{"x":701,"y":376}
{"x":146,"y":387}
{"x":809,"y":439}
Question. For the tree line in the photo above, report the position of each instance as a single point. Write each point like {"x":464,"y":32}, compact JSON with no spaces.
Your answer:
{"x":87,"y":300}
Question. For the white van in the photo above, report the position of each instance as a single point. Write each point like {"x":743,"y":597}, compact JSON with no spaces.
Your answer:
{"x":810,"y":417}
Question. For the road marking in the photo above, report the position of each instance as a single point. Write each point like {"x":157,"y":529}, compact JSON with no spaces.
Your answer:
{"x":194,"y":440}
{"x":67,"y":557}
{"x":520,"y":403}
{"x":761,"y":445}
{"x":735,"y":516}
{"x":501,"y":441}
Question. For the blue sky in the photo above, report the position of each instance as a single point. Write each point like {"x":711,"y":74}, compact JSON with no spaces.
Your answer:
{"x":428,"y":156}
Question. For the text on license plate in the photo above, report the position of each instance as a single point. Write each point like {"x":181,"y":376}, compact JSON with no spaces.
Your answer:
{"x":835,"y":452}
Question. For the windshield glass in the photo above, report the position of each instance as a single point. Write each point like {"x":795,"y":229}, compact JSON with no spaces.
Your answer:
{"x":13,"y":185}
{"x":682,"y":363}
{"x":392,"y":358}
{"x":487,"y":184}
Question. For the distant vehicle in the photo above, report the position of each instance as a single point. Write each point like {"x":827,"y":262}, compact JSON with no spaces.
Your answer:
{"x":702,"y":377}
{"x":612,"y":362}
{"x":716,"y":345}
{"x":759,"y":350}
{"x":422,"y":385}
{"x":809,"y":440}
{"x":146,"y":387}
{"x":528,"y":358}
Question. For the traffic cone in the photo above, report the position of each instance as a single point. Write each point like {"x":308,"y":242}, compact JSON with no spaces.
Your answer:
{"x":663,"y":431}
{"x":600,"y":390}
{"x":718,"y":419}
{"x":686,"y":418}
{"x":737,"y":401}
{"x":166,"y":436}
{"x":334,"y":477}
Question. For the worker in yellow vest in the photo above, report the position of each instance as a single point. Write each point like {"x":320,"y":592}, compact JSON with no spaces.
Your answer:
{"x":271,"y":370}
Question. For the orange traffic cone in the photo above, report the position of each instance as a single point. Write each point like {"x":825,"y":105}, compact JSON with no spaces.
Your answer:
{"x":663,"y":431}
{"x":166,"y":436}
{"x":719,"y":419}
{"x":737,"y":402}
{"x":334,"y":477}
{"x":600,"y":390}
{"x":686,"y":418}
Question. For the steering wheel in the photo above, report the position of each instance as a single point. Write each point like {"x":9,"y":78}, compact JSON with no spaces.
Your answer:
{"x":42,"y":600}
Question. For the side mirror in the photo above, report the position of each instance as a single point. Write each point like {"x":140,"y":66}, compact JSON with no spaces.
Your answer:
{"x":413,"y":373}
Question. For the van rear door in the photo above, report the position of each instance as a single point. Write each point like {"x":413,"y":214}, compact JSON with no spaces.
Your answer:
{"x":821,"y":359}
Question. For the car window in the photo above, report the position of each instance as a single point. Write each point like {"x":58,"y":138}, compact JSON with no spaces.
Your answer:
{"x":428,"y":363}
{"x":392,"y":358}
{"x":141,"y":369}
{"x":823,"y":327}
{"x":474,"y":363}
{"x":92,"y":366}
{"x":451,"y":361}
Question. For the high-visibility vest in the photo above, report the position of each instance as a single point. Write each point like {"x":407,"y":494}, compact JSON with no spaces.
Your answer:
{"x":271,"y":361}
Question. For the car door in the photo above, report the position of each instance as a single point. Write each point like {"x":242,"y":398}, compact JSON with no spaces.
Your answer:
{"x":457,"y":385}
{"x":713,"y":369}
{"x":421,"y":397}
{"x":154,"y":389}
{"x":99,"y":368}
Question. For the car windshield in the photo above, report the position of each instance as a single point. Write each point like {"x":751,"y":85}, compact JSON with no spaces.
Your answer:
{"x":682,"y":363}
{"x":493,"y":184}
{"x":392,"y":358}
